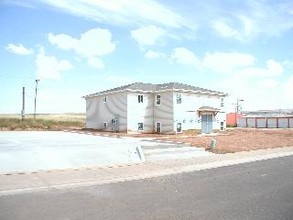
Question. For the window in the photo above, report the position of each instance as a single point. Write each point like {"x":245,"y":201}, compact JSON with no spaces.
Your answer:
{"x":158,"y":100}
{"x":222,"y":126}
{"x":104,"y":99}
{"x":222,"y":102}
{"x":140,"y":126}
{"x":178,"y":99}
{"x":105,"y":125}
{"x":158,"y":127}
{"x":179,"y":128}
{"x":140,"y":98}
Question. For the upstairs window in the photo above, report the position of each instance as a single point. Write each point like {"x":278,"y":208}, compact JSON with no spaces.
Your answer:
{"x":178,"y":99}
{"x":140,"y":98}
{"x":158,"y":100}
{"x":222,"y":102}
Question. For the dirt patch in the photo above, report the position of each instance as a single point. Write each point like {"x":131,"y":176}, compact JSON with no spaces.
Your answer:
{"x":233,"y":140}
{"x":237,"y":140}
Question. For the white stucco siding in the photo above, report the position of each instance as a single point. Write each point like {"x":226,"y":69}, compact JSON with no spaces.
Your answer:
{"x":212,"y":101}
{"x":142,"y":112}
{"x":215,"y":101}
{"x":163,"y":113}
{"x":92,"y":110}
{"x":186,"y":112}
{"x":99,"y":111}
{"x":220,"y":118}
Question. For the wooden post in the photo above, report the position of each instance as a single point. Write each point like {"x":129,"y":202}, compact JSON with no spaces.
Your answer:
{"x":23,"y":104}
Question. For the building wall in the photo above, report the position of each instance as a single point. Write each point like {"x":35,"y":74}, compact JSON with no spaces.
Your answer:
{"x":266,"y":122}
{"x":140,"y":112}
{"x":164,"y":113}
{"x":186,"y":112}
{"x":99,"y":112}
{"x":215,"y":101}
{"x":130,"y":112}
{"x":231,"y":118}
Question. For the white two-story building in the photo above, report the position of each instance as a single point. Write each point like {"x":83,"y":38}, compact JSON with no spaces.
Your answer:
{"x":156,"y":108}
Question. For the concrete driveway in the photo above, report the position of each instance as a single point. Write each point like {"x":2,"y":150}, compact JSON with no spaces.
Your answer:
{"x":27,"y":151}
{"x":44,"y":150}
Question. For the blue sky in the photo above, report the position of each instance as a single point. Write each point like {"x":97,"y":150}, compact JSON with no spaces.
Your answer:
{"x":79,"y":47}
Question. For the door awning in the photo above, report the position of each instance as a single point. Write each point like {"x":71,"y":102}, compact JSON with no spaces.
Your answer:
{"x":208,"y":109}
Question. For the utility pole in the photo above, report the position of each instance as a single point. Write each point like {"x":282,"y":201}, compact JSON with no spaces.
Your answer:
{"x":36,"y":93}
{"x":237,"y":107}
{"x":23,"y":104}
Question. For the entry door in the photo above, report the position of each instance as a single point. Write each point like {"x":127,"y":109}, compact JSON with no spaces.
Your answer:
{"x":206,"y":124}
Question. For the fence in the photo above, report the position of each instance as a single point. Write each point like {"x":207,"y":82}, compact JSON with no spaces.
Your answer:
{"x":265,"y":122}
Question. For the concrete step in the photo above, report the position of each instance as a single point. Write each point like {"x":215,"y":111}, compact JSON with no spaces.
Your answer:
{"x":174,"y":155}
{"x":172,"y":151}
{"x":164,"y":146}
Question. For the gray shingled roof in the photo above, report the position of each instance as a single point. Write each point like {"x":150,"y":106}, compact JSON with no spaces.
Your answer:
{"x":148,"y":87}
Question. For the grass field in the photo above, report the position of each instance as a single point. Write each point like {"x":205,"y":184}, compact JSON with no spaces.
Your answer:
{"x":42,"y":122}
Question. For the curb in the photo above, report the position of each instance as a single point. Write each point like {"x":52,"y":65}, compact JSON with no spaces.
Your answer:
{"x":163,"y":172}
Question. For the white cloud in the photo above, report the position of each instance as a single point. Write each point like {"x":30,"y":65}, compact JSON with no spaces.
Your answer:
{"x":182,"y":55}
{"x":241,"y":28}
{"x":95,"y":62}
{"x":289,"y":89}
{"x":150,"y":54}
{"x":92,"y":44}
{"x":63,"y":41}
{"x":250,"y":19}
{"x":225,"y":30}
{"x":272,"y":69}
{"x":121,"y":12}
{"x":49,"y":67}
{"x":249,"y":28}
{"x":60,"y":100}
{"x":269,"y":84}
{"x":148,"y":35}
{"x":227,"y":62}
{"x":19,"y":49}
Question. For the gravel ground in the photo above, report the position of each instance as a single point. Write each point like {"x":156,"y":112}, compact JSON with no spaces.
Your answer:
{"x":232,"y":140}
{"x":236,"y":140}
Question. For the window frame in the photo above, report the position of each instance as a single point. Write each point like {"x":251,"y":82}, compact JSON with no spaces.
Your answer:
{"x":140,"y":126}
{"x":158,"y":99}
{"x":158,"y":123}
{"x":140,"y":98}
{"x":178,"y":98}
{"x":222,"y":105}
{"x":178,"y":127}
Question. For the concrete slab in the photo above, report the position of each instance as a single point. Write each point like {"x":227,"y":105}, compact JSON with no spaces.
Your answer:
{"x":28,"y":151}
{"x":23,"y":151}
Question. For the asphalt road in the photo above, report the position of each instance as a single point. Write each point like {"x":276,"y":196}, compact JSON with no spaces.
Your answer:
{"x":258,"y":190}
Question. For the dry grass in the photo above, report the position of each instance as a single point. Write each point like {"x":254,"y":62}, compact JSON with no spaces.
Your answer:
{"x":42,"y":122}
